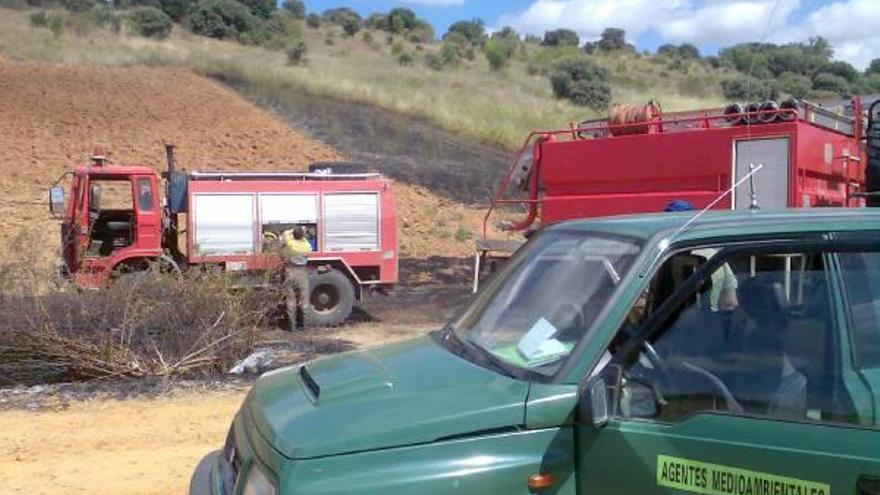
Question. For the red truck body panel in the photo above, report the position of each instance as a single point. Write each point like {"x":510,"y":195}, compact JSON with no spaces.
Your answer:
{"x":810,"y":158}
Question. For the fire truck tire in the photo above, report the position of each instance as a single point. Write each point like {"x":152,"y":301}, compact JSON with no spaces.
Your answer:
{"x":331,"y":299}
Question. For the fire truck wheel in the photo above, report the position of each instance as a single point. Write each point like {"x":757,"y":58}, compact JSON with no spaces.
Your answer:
{"x":331,"y":300}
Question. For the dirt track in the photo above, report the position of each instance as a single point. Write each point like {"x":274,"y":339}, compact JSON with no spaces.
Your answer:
{"x":135,"y":447}
{"x":55,"y":115}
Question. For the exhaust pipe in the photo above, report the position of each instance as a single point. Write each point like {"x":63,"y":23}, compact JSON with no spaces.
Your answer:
{"x":169,"y":157}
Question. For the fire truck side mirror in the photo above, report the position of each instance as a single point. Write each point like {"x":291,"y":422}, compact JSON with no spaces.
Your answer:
{"x":56,"y":201}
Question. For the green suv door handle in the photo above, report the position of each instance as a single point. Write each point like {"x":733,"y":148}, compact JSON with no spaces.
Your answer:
{"x":868,"y":485}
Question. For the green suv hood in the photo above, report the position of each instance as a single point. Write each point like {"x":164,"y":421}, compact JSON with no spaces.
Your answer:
{"x":402,"y":394}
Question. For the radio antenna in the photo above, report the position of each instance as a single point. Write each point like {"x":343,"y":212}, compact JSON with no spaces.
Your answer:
{"x":753,"y":204}
{"x":753,"y":169}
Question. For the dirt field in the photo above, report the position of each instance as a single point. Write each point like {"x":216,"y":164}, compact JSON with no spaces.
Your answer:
{"x":141,"y":446}
{"x":52,"y":116}
{"x":55,"y":115}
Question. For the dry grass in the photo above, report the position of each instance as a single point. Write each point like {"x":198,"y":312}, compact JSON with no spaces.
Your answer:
{"x":145,"y":324}
{"x":496,"y":107}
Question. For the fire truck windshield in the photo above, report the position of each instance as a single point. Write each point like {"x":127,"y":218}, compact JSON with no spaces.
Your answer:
{"x":542,"y":303}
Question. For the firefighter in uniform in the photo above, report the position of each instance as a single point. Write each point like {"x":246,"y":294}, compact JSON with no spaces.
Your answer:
{"x":296,"y":273}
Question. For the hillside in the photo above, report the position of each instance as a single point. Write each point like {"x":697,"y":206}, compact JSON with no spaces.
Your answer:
{"x":495,"y":106}
{"x":54,"y":115}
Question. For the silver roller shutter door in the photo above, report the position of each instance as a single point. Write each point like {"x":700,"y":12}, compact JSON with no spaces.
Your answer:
{"x":771,"y":182}
{"x":351,"y":222}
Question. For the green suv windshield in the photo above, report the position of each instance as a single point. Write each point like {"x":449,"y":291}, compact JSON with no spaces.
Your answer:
{"x":536,"y":310}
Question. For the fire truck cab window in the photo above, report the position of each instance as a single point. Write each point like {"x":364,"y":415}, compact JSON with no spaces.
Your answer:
{"x":144,"y":194}
{"x":110,"y":216}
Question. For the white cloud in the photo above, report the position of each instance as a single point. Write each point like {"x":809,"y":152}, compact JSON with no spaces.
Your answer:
{"x":850,"y":25}
{"x":590,"y":17}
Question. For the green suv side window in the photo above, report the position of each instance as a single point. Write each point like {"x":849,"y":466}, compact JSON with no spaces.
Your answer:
{"x":861,"y":281}
{"x":756,"y":336}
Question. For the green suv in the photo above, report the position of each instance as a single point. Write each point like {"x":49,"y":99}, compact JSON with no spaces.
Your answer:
{"x":737,"y":354}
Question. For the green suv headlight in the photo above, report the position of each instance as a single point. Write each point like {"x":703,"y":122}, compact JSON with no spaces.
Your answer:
{"x":258,"y":483}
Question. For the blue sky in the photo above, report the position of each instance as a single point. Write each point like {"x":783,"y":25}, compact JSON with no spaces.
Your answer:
{"x":851,"y":25}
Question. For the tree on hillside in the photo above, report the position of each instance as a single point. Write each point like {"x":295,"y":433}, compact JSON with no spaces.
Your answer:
{"x":176,"y":9}
{"x":344,"y":17}
{"x":582,"y":82}
{"x":507,"y":39}
{"x":150,"y":22}
{"x":842,"y":69}
{"x":825,"y":81}
{"x":260,"y":8}
{"x":295,"y":7}
{"x":220,"y":19}
{"x":561,"y":37}
{"x":377,"y":21}
{"x":796,"y":85}
{"x":612,"y":39}
{"x":873,"y":67}
{"x":474,"y":31}
{"x":685,"y":51}
{"x":746,"y":88}
{"x":401,"y":19}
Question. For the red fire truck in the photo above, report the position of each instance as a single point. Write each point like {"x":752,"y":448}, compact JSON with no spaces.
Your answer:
{"x":115,"y":223}
{"x":809,"y":157}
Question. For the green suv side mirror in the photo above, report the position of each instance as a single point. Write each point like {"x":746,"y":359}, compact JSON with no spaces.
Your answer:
{"x":56,"y":201}
{"x":597,"y":396}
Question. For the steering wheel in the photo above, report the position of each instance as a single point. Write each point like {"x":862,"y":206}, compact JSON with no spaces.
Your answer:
{"x":663,"y":370}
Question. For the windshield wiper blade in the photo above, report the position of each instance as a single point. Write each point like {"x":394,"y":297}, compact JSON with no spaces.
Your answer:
{"x":486,"y":355}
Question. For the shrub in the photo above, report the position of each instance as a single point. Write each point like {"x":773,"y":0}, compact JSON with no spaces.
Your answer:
{"x":350,"y":26}
{"x":176,"y":9}
{"x":56,"y":24}
{"x":496,"y":55}
{"x":220,"y":19}
{"x":296,"y":52}
{"x":367,"y":37}
{"x":313,"y":21}
{"x":397,"y":48}
{"x":795,"y":85}
{"x":561,"y":37}
{"x":831,"y":82}
{"x":295,"y":7}
{"x":39,"y":19}
{"x":405,"y":59}
{"x":474,"y":31}
{"x":260,"y":8}
{"x":873,"y":67}
{"x":434,"y":61}
{"x":104,"y":16}
{"x":575,"y":69}
{"x":745,"y":88}
{"x":344,"y":17}
{"x":150,"y":22}
{"x":78,"y":6}
{"x":463,"y":234}
{"x":594,"y":94}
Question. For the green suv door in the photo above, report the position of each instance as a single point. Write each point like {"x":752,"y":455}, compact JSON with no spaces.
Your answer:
{"x":739,"y":376}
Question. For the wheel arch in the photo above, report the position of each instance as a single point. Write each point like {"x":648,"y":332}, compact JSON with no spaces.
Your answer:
{"x":342,"y":266}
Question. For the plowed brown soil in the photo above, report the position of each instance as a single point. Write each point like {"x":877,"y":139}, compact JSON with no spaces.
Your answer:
{"x":53,"y":116}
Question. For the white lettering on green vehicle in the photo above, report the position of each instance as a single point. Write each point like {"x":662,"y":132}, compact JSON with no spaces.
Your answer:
{"x":715,"y":479}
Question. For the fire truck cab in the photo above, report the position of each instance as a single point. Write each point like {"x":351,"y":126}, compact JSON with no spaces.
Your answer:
{"x":115,"y":221}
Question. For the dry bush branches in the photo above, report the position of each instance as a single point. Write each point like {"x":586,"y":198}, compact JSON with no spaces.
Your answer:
{"x":147,"y":323}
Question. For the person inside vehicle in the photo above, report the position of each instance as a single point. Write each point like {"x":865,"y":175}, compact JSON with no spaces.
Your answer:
{"x":723,"y":295}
